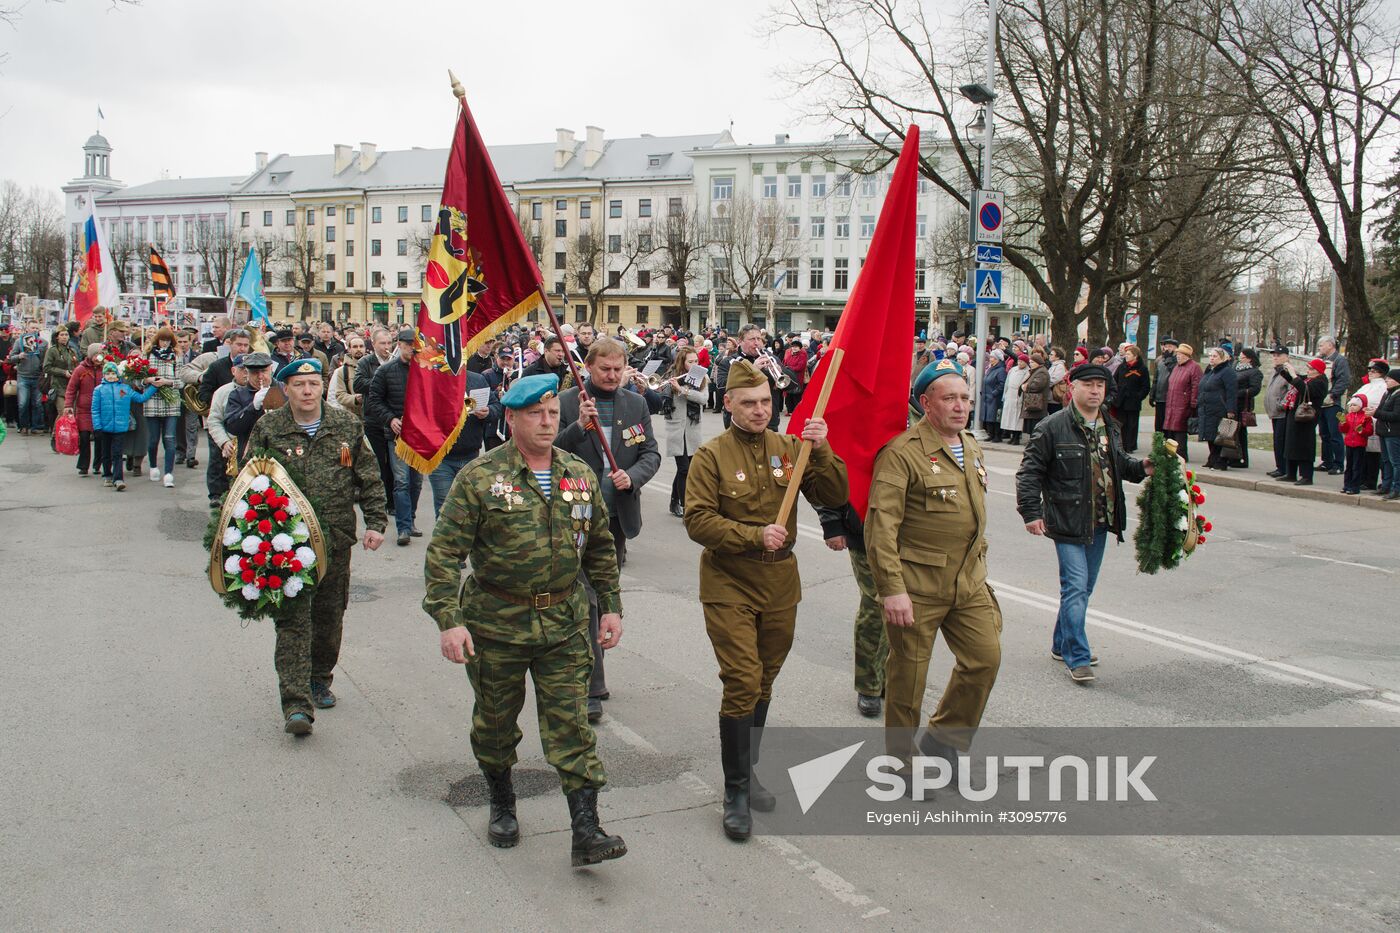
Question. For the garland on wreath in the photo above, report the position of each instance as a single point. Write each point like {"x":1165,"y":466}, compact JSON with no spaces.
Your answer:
{"x":1169,"y":528}
{"x":266,"y":547}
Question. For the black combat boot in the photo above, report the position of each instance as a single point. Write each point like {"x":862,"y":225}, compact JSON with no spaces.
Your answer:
{"x":760,"y":798}
{"x":591,"y":844}
{"x":504,"y":829}
{"x":734,"y":756}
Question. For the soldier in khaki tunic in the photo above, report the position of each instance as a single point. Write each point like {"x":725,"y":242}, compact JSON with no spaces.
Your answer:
{"x":529,"y":516}
{"x":749,"y":584}
{"x":925,"y":538}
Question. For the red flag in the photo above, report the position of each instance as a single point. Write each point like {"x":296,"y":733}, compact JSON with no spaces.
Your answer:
{"x":85,"y":289}
{"x":869,"y":403}
{"x":480,"y":278}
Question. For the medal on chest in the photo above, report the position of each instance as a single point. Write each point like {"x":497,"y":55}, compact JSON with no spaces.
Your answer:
{"x":777,"y":464}
{"x":566,"y":488}
{"x":740,"y":475}
{"x":934,"y":464}
{"x":981,"y":473}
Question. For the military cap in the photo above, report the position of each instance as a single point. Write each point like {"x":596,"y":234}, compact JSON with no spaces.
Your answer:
{"x":277,"y":335}
{"x":407,"y":335}
{"x":306,"y":336}
{"x":1089,"y":371}
{"x":528,"y":390}
{"x":309,"y":366}
{"x":935,"y":370}
{"x":1170,"y":340}
{"x":256,"y":360}
{"x":744,"y":375}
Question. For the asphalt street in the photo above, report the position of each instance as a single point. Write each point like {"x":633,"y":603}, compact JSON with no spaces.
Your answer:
{"x":149,"y":784}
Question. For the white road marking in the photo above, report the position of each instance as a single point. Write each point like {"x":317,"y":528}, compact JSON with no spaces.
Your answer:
{"x":1344,"y":563}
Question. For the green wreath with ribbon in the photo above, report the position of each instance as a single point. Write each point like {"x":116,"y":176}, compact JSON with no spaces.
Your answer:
{"x":1169,"y":527}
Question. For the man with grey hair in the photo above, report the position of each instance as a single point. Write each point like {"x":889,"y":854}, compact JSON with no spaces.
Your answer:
{"x":1333,"y":452}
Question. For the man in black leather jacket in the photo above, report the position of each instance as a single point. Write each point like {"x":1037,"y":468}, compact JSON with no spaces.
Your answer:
{"x":1070,"y":488}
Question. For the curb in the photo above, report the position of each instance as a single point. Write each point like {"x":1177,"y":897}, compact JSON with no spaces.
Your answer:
{"x":1272,"y":487}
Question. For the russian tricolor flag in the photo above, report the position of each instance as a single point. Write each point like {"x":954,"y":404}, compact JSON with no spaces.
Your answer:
{"x":95,"y":283}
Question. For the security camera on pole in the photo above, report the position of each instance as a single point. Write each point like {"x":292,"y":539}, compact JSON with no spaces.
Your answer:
{"x":986,"y":211}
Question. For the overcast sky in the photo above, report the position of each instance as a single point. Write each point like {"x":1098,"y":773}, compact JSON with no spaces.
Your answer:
{"x":195,"y":87}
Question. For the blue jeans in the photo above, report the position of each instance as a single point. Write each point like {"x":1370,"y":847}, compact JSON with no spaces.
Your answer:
{"x":441,"y":478}
{"x":1333,"y":451}
{"x":408,"y":483}
{"x":1079,"y":571}
{"x":31,"y":404}
{"x":156,"y":429}
{"x":1390,"y":464}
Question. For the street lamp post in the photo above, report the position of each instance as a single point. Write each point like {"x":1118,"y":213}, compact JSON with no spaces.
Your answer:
{"x":983,"y":95}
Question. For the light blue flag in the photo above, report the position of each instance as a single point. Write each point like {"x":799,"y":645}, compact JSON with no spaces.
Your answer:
{"x":250,"y":287}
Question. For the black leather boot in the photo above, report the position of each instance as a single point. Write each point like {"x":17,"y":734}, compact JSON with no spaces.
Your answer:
{"x":760,"y":798}
{"x":504,"y":829}
{"x":734,"y":756}
{"x":591,"y":844}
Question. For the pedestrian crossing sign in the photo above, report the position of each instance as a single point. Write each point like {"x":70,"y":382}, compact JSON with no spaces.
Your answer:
{"x":987,"y":289}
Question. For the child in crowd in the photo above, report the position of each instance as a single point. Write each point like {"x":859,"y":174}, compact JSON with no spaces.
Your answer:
{"x":1357,"y":426}
{"x":111,"y":415}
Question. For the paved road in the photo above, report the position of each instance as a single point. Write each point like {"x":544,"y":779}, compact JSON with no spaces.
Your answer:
{"x":149,"y":785}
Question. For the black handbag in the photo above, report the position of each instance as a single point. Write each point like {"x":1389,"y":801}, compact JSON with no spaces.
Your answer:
{"x":1305,"y":413}
{"x":1193,"y":425}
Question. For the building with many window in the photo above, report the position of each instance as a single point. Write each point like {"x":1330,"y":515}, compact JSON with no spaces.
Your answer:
{"x":344,"y":235}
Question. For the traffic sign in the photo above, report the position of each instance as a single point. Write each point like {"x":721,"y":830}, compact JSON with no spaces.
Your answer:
{"x":988,"y":287}
{"x":1025,"y":322}
{"x":985,"y":217}
{"x":989,"y":254}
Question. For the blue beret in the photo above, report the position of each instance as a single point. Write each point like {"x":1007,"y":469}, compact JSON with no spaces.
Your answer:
{"x":303,"y":367}
{"x":943,"y":367}
{"x":529,"y":390}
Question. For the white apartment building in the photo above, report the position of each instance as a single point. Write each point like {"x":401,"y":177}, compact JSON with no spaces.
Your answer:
{"x":830,"y":213}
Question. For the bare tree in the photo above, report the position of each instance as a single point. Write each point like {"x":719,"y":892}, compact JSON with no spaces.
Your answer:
{"x":600,"y":263}
{"x":1322,"y":77}
{"x":1084,"y":85}
{"x":681,"y":250}
{"x":123,"y":250}
{"x":303,"y":262}
{"x":749,"y":242}
{"x":31,"y":241}
{"x":221,"y":253}
{"x":949,"y":257}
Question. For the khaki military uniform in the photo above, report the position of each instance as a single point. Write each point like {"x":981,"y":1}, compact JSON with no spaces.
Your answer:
{"x":925,"y":536}
{"x":308,"y":641}
{"x":522,"y":603}
{"x":735,"y":486}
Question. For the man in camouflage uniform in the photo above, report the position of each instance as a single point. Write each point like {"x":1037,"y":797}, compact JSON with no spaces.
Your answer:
{"x":844,"y":531}
{"x":324,"y":450}
{"x":749,"y":585}
{"x":530,"y":517}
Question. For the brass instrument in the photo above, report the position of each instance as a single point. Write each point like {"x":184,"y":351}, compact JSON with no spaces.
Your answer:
{"x":769,"y":364}
{"x":470,"y":404}
{"x":631,"y":338}
{"x":190,"y":394}
{"x":275,"y":398}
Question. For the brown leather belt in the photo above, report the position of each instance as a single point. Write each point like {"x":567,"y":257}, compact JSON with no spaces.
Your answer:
{"x":533,"y":600}
{"x":767,"y":557}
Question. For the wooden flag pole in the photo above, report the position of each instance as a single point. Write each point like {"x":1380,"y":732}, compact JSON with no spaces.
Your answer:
{"x":578,"y":380}
{"x":790,"y":499}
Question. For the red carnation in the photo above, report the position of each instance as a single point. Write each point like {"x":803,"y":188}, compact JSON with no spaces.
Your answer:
{"x":296,"y":566}
{"x":251,"y":515}
{"x":1200,"y":500}
{"x":264,"y":526}
{"x":255,"y":499}
{"x":1195,"y":488}
{"x":1207,"y":526}
{"x":1201,"y":539}
{"x":275,"y":582}
{"x":244,"y":563}
{"x":280,"y":515}
{"x":247,"y":576}
{"x":261,"y":582}
{"x":260,"y":560}
{"x":265,"y":546}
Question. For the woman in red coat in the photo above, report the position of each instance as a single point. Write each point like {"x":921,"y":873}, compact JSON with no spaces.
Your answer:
{"x":78,"y":401}
{"x":1183,"y":390}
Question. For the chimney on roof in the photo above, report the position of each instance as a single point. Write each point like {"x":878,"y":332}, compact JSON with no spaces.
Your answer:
{"x":593,"y":147}
{"x":563,"y":147}
{"x":260,"y":161}
{"x":343,"y":156}
{"x":368,"y":156}
{"x":780,"y":139}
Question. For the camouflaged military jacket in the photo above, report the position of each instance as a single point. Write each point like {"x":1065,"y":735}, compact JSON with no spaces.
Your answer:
{"x":496,"y":516}
{"x":317,"y":461}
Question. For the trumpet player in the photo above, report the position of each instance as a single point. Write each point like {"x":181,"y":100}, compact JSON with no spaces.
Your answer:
{"x":751,"y":349}
{"x":682,"y":403}
{"x":469,"y":440}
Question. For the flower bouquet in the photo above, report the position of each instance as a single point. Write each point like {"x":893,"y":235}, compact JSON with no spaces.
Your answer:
{"x":1169,"y":526}
{"x":135,"y":369}
{"x":266,"y":548}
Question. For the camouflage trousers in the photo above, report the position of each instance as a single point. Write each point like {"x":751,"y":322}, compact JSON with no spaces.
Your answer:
{"x":308,"y":641}
{"x":560,"y":675}
{"x":872,"y":644}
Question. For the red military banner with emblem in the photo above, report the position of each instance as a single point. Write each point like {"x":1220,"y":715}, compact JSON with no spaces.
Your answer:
{"x":480,"y":278}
